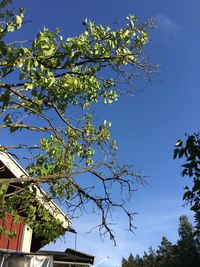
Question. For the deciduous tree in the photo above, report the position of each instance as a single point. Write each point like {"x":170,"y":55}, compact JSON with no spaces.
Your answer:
{"x":189,"y":150}
{"x":49,"y":89}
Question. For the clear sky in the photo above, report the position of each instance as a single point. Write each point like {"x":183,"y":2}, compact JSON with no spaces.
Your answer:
{"x":147,"y":125}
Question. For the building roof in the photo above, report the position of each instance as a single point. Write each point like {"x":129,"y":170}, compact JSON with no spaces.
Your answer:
{"x":70,"y":256}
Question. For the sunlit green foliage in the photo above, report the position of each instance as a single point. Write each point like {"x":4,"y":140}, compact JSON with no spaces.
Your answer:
{"x":41,"y":82}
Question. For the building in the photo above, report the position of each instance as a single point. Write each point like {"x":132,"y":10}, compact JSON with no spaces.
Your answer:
{"x":26,"y":245}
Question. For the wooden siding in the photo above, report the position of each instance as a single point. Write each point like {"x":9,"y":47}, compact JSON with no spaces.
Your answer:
{"x":14,"y":243}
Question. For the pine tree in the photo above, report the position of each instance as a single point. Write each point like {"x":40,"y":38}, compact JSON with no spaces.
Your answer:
{"x":187,"y":245}
{"x":165,"y":253}
{"x":185,"y":253}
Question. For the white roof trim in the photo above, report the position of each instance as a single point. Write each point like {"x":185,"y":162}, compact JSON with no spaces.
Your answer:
{"x":18,"y":172}
{"x":12,"y":165}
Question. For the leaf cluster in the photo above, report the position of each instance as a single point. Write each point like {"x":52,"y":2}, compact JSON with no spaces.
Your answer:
{"x":26,"y":207}
{"x":189,"y":150}
{"x":48,"y":88}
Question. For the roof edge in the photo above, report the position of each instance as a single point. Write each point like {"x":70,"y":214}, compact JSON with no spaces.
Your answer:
{"x":51,"y":206}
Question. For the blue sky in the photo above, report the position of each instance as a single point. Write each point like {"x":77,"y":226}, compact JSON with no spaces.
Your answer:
{"x":146,"y":125}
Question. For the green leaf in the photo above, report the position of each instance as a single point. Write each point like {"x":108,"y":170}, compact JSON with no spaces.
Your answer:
{"x":7,"y":119}
{"x":5,"y":98}
{"x":195,"y":208}
{"x":179,"y":143}
{"x":10,"y":28}
{"x":18,"y":21}
{"x":14,"y":129}
{"x":184,"y":172}
{"x":176,"y":151}
{"x":181,"y":152}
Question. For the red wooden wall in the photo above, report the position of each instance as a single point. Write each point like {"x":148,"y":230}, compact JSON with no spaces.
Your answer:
{"x":14,"y":243}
